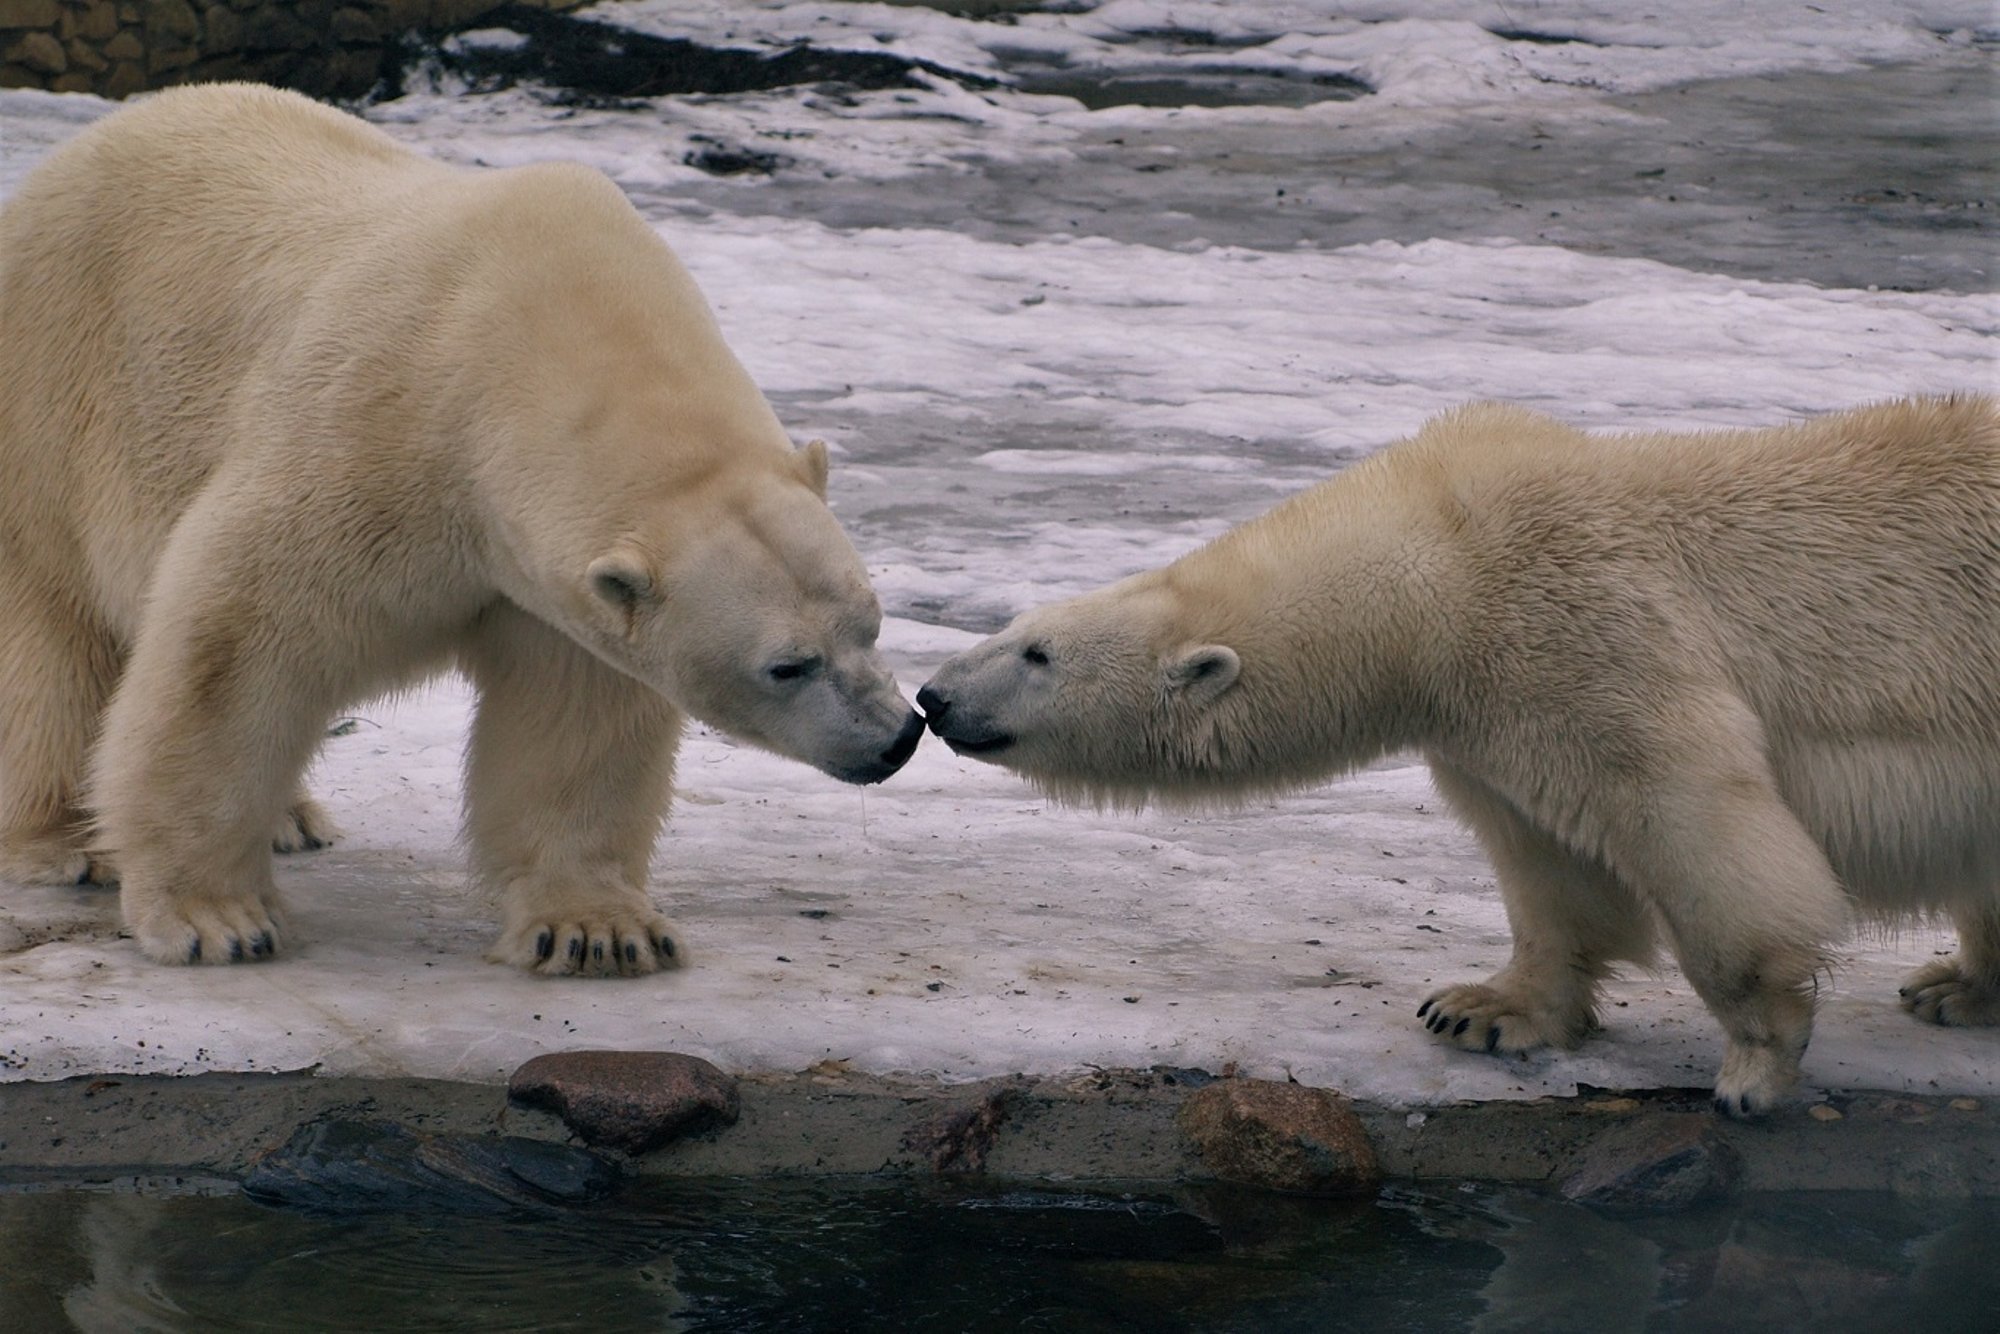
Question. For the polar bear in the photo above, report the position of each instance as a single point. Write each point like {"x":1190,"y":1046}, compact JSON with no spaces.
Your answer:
{"x":1736,"y":688}
{"x":292,"y":416}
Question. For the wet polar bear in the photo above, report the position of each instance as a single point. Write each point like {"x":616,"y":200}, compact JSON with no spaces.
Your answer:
{"x":290,"y":417}
{"x":1734,"y":687}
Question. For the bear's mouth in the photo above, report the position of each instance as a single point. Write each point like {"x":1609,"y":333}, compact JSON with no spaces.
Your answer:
{"x":984,"y":745}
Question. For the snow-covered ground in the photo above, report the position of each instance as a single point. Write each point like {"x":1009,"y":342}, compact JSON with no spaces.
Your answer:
{"x":1025,"y":407}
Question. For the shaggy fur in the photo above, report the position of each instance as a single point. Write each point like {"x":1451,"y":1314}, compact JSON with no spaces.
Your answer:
{"x":291,"y":416}
{"x":1732,"y":688}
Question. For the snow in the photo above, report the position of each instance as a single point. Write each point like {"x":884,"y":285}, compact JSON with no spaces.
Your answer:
{"x":1015,"y":420}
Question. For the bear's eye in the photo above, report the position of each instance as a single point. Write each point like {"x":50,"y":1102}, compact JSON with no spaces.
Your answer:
{"x":620,"y":590}
{"x":1036,"y":654}
{"x":792,"y":671}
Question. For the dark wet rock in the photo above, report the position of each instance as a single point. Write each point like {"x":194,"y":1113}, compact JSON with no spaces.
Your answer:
{"x":630,"y":1100}
{"x":1280,"y":1136}
{"x":958,"y":1139}
{"x":1654,"y":1164}
{"x":349,"y":1167}
{"x":600,"y":64}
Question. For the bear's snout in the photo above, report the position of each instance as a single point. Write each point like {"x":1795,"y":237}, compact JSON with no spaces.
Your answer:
{"x":964,"y":739}
{"x":905,"y":744}
{"x":888,"y":761}
{"x":934,"y":706}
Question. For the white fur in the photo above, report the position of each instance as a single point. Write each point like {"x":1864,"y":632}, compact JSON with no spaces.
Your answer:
{"x":291,"y":416}
{"x":1732,"y":687}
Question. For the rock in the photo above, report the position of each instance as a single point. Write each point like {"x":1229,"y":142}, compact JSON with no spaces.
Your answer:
{"x":958,"y":1138}
{"x":125,"y":79}
{"x":41,"y":52}
{"x":630,"y":1100}
{"x":1654,"y":1164}
{"x":346,"y":1167}
{"x":1280,"y":1136}
{"x":171,"y":21}
{"x":29,"y":13}
{"x":94,"y":22}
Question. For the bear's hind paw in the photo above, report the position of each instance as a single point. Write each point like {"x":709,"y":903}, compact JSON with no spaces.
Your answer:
{"x":47,"y":861}
{"x":1943,"y":992}
{"x":304,"y":827}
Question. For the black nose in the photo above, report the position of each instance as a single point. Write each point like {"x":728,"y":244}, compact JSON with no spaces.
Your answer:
{"x":934,"y":706}
{"x":905,"y":744}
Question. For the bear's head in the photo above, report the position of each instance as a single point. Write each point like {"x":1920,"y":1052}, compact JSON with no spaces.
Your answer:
{"x":639,"y":494}
{"x":1107,"y":697}
{"x":749,"y":609}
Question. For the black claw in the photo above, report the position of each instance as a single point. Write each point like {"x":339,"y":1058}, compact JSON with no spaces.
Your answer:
{"x":261,"y":944}
{"x":83,"y":877}
{"x":1493,"y":1039}
{"x":1423,"y":1009}
{"x":194,"y":951}
{"x":235,"y":950}
{"x":631,"y":951}
{"x":597,"y":951}
{"x":1743,"y":1103}
{"x":575,"y":947}
{"x":666,"y":946}
{"x":1463,"y":1024}
{"x":545,"y":945}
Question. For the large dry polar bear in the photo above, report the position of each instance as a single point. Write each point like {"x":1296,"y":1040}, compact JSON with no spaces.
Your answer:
{"x":290,"y":416}
{"x":1737,"y":687}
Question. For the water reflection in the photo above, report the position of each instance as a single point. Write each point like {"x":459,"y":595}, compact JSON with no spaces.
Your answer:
{"x":877,"y":1255}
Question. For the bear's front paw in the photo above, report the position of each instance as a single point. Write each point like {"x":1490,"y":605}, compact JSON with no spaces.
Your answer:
{"x":1946,"y":992}
{"x":213,"y":931}
{"x":1497,"y":1018}
{"x":1756,"y":1079}
{"x":616,"y":937}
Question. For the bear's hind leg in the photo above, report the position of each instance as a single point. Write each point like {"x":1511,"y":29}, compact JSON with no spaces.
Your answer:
{"x":1963,"y":990}
{"x":1750,"y":902}
{"x":1571,"y":919}
{"x":57,"y":670}
{"x":568,"y":778}
{"x":304,"y":827}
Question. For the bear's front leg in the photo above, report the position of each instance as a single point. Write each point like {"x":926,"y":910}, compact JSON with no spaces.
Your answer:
{"x":569,"y":776}
{"x":219,"y":711}
{"x":1571,"y":918}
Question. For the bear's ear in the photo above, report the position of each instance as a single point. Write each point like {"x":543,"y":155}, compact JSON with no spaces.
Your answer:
{"x":814,"y":458}
{"x":1204,"y":672}
{"x":620,"y":580}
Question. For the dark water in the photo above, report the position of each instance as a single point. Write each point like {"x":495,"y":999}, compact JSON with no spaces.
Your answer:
{"x":879,"y":1256}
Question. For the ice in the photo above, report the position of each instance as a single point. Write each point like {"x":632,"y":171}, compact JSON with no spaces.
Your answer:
{"x":1023,"y":412}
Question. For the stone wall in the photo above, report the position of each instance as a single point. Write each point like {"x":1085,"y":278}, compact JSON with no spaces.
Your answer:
{"x":329,"y":48}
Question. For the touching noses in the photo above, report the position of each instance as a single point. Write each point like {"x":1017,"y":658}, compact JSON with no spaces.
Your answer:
{"x":905,"y":744}
{"x":934,"y":707}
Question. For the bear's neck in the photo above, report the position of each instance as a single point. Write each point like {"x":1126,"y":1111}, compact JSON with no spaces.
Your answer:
{"x":1330,"y":603}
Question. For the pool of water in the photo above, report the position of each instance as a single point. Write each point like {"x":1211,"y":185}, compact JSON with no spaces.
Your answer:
{"x":871,"y":1255}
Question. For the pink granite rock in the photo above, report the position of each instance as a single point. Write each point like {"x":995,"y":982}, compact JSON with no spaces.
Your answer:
{"x":1280,"y":1136}
{"x":630,"y":1100}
